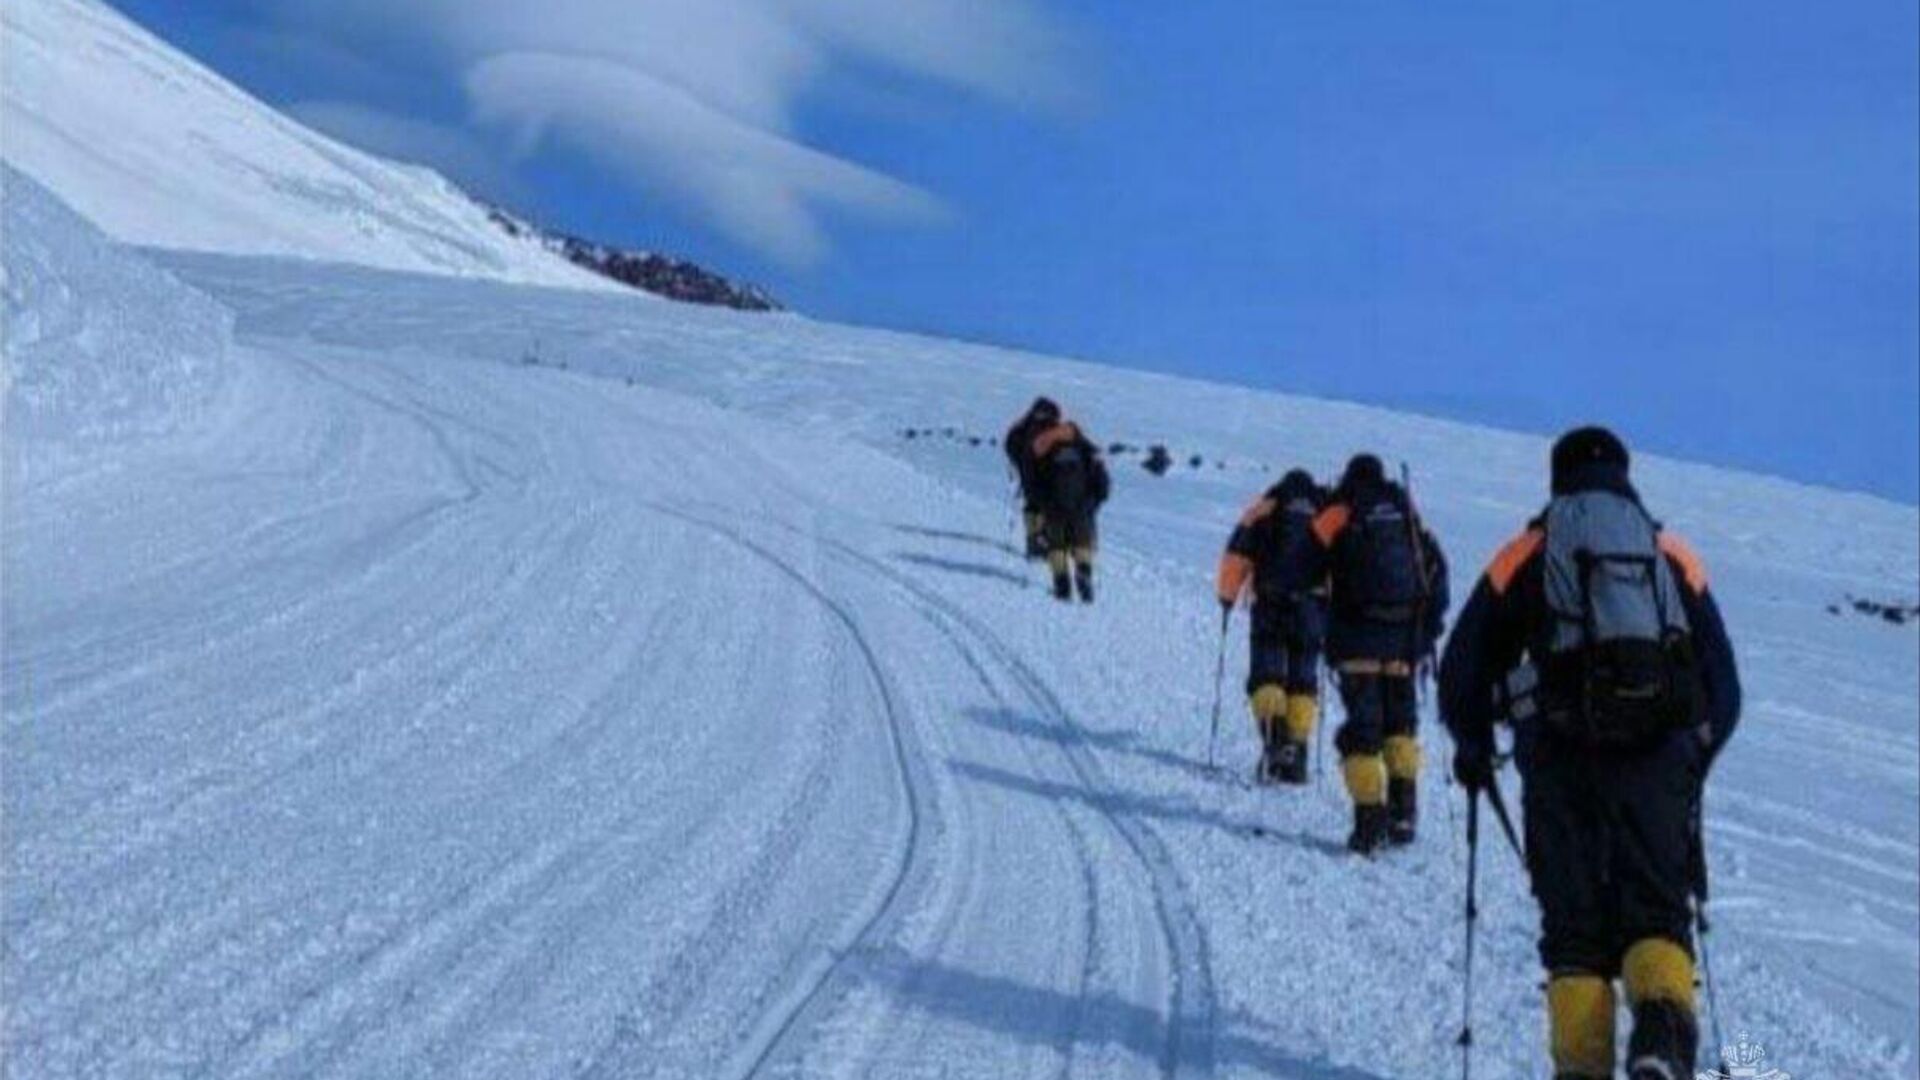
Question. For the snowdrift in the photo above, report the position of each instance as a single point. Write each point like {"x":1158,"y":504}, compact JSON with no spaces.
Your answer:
{"x":101,"y":344}
{"x":158,"y":150}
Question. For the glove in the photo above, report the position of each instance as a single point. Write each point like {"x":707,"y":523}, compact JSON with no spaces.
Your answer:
{"x":1473,"y":767}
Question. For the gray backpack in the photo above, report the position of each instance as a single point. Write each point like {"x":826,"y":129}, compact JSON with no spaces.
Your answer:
{"x":1617,"y":663}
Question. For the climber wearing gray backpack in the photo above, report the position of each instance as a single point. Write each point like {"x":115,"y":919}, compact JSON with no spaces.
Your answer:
{"x":1594,"y":634}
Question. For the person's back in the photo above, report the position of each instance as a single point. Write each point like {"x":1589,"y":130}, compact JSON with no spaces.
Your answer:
{"x":1018,"y":445}
{"x":1595,"y":635}
{"x":1389,"y":600}
{"x":1072,"y":482}
{"x":1270,"y":554}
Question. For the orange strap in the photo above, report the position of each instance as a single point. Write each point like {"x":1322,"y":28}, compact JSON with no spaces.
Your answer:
{"x":1331,"y":522}
{"x":1513,"y":558}
{"x":1682,"y":552}
{"x":1399,"y":669}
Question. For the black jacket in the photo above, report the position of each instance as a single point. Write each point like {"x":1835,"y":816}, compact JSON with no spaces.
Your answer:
{"x":1271,"y":548}
{"x":1069,"y":476}
{"x":1019,"y":449}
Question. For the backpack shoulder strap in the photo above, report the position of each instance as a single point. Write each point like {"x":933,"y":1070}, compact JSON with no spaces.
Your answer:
{"x":1674,"y":547}
{"x":1513,"y":558}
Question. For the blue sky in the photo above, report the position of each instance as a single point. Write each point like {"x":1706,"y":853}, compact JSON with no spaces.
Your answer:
{"x":1696,"y":222}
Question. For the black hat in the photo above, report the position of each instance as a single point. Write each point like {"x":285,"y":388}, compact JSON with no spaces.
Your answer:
{"x":1297,"y":478}
{"x":1586,"y":452}
{"x":1044,"y":407}
{"x":1363,"y":469}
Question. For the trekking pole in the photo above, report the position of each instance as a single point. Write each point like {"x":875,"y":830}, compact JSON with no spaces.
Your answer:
{"x":1013,"y":514}
{"x":1320,"y":746}
{"x":1706,"y":971}
{"x":1219,"y":680}
{"x":1701,"y":928}
{"x":1473,"y":917}
{"x":1500,"y":813}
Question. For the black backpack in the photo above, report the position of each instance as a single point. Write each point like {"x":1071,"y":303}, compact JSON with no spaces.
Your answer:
{"x":1283,"y":550}
{"x":1617,"y":664}
{"x":1070,"y":479}
{"x":1380,"y":575}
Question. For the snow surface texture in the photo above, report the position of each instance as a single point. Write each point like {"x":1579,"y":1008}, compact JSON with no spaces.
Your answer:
{"x":436,"y":677}
{"x":101,"y":345}
{"x":669,"y":715}
{"x":158,"y":150}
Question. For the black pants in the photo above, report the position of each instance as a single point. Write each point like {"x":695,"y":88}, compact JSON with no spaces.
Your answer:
{"x":1610,"y":848}
{"x":1377,"y":707}
{"x":1070,"y":530}
{"x":1283,"y":647}
{"x":1290,"y":664}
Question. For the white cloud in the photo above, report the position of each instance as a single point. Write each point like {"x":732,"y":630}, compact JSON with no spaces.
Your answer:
{"x":757,"y":186}
{"x":697,"y":98}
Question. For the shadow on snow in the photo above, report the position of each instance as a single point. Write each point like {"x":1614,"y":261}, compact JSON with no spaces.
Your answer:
{"x":1065,"y":1021}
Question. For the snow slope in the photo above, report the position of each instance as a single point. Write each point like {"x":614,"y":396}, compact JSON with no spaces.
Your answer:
{"x":656,"y":710}
{"x":102,"y":346}
{"x":160,"y":151}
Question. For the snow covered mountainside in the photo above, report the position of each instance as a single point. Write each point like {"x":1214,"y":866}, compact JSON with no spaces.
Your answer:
{"x":157,"y":150}
{"x":102,"y":346}
{"x":656,"y":710}
{"x":432,"y":673}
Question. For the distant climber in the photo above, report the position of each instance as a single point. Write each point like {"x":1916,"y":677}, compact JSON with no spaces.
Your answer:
{"x":1042,"y":414}
{"x":1071,"y":483}
{"x":1388,"y":607}
{"x":1593,"y":633}
{"x":1270,"y":557}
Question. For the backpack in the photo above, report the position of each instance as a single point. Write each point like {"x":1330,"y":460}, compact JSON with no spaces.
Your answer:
{"x":1069,"y":476}
{"x":1283,"y":549}
{"x":1618,"y":666}
{"x":1380,"y":577}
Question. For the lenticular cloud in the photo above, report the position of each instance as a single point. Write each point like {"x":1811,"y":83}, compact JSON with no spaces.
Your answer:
{"x":695,"y":99}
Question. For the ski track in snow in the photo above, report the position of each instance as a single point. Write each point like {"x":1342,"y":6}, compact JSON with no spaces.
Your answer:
{"x":431,"y":714}
{"x":467,"y":942}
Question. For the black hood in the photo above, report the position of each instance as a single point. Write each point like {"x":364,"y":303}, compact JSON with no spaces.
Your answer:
{"x":1591,"y":459}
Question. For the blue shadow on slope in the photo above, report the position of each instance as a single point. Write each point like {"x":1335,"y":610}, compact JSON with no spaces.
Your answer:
{"x":1045,"y":1017}
{"x":1135,"y":804}
{"x":1126,"y":742}
{"x":1025,"y":726}
{"x":956,"y":566}
{"x":962,"y":538}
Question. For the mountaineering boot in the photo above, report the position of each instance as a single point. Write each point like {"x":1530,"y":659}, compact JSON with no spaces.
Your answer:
{"x":1270,"y":749}
{"x":1664,"y":1042}
{"x":1303,"y":712}
{"x":1402,"y":811}
{"x":1580,"y":1009}
{"x":1366,"y":778}
{"x":1658,"y":974}
{"x":1269,"y":705}
{"x":1289,"y":761}
{"x":1083,"y":582}
{"x":1403,"y":773}
{"x":1062,"y":587}
{"x":1369,"y":829}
